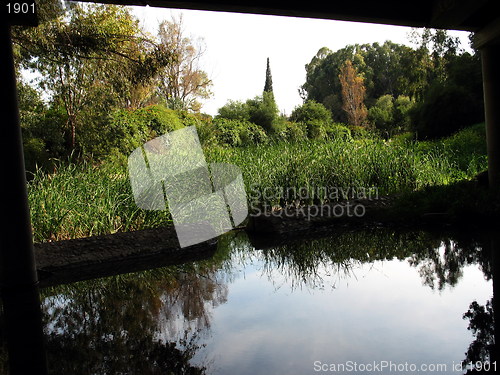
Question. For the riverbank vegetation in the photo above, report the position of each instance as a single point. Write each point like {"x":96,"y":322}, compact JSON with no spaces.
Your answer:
{"x":384,"y":116}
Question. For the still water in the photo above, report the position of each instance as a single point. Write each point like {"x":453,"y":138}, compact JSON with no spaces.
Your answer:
{"x":355,"y":302}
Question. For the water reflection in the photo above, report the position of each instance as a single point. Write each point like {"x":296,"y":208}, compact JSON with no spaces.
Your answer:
{"x":146,"y":323}
{"x":353,"y":296}
{"x":481,"y":323}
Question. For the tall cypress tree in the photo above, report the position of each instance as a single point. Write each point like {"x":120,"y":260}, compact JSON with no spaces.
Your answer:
{"x":268,"y":87}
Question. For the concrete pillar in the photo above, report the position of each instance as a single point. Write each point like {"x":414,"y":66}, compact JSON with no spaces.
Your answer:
{"x":495,"y":270}
{"x":490,"y":56}
{"x":18,"y":276}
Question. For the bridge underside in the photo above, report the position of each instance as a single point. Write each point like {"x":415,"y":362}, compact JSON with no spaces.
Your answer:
{"x":18,"y":277}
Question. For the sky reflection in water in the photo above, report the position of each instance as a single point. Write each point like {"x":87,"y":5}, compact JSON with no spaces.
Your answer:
{"x":354,"y":297}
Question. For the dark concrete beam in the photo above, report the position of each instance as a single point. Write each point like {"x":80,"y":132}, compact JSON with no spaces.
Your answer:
{"x":468,"y":15}
{"x":488,"y":35}
{"x":490,"y":56}
{"x":18,"y":277}
{"x":453,"y":13}
{"x":385,"y":12}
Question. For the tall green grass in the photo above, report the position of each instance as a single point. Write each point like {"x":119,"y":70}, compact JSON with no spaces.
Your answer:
{"x":83,"y":200}
{"x":366,"y":163}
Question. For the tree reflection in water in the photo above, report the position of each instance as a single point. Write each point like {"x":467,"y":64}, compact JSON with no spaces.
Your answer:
{"x":482,"y":325}
{"x":146,"y":323}
{"x":153,"y":322}
{"x":439,"y":258}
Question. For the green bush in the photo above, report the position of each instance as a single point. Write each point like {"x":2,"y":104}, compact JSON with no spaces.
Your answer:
{"x":35,"y":154}
{"x":238,"y":133}
{"x":338,"y":131}
{"x":128,"y":129}
{"x":234,"y":110}
{"x":294,"y":132}
{"x":311,"y":111}
{"x":207,"y":132}
{"x":189,"y":119}
{"x":446,"y":108}
{"x":263,"y":111}
{"x":48,"y":128}
{"x":316,"y":129}
{"x":391,"y":116}
{"x":251,"y":134}
{"x":228,"y":131}
{"x":381,"y":115}
{"x":158,"y":118}
{"x":403,"y":106}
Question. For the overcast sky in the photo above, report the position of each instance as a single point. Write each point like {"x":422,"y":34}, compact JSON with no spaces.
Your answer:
{"x":237,"y":46}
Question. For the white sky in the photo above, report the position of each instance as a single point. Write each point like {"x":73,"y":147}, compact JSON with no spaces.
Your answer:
{"x":237,"y":46}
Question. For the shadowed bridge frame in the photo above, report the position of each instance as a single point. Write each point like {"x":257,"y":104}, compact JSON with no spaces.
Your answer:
{"x":18,"y":277}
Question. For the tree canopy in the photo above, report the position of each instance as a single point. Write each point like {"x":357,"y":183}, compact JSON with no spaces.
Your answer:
{"x":436,"y":67}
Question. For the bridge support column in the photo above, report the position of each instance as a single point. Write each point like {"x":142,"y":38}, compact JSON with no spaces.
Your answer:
{"x":18,"y":277}
{"x":490,"y":56}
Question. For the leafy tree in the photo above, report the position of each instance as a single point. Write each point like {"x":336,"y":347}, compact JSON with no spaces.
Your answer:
{"x":182,"y":83}
{"x":482,"y":325}
{"x":268,"y":86}
{"x":382,"y":113}
{"x":383,"y":67}
{"x":90,"y":52}
{"x":314,"y":116}
{"x":311,"y":110}
{"x":234,"y":110}
{"x":263,"y":111}
{"x":439,"y":46}
{"x":446,"y":108}
{"x":453,"y":101}
{"x":353,"y":94}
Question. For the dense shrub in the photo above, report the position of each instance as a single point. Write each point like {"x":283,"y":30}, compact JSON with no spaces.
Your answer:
{"x":381,"y":115}
{"x":446,"y":109}
{"x":35,"y":154}
{"x":294,"y":132}
{"x":234,"y":110}
{"x":338,"y":131}
{"x":128,"y":129}
{"x":189,"y":119}
{"x":403,"y":106}
{"x":391,"y":116}
{"x":207,"y":132}
{"x":44,"y":137}
{"x":314,"y":117}
{"x":315,"y":129}
{"x":238,"y":133}
{"x":311,"y":111}
{"x":251,"y":134}
{"x":263,"y":111}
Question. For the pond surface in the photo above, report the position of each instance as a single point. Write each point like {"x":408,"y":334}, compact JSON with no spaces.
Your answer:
{"x":376,"y":302}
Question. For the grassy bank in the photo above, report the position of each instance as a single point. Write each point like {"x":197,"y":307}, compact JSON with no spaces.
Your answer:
{"x":84,"y":200}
